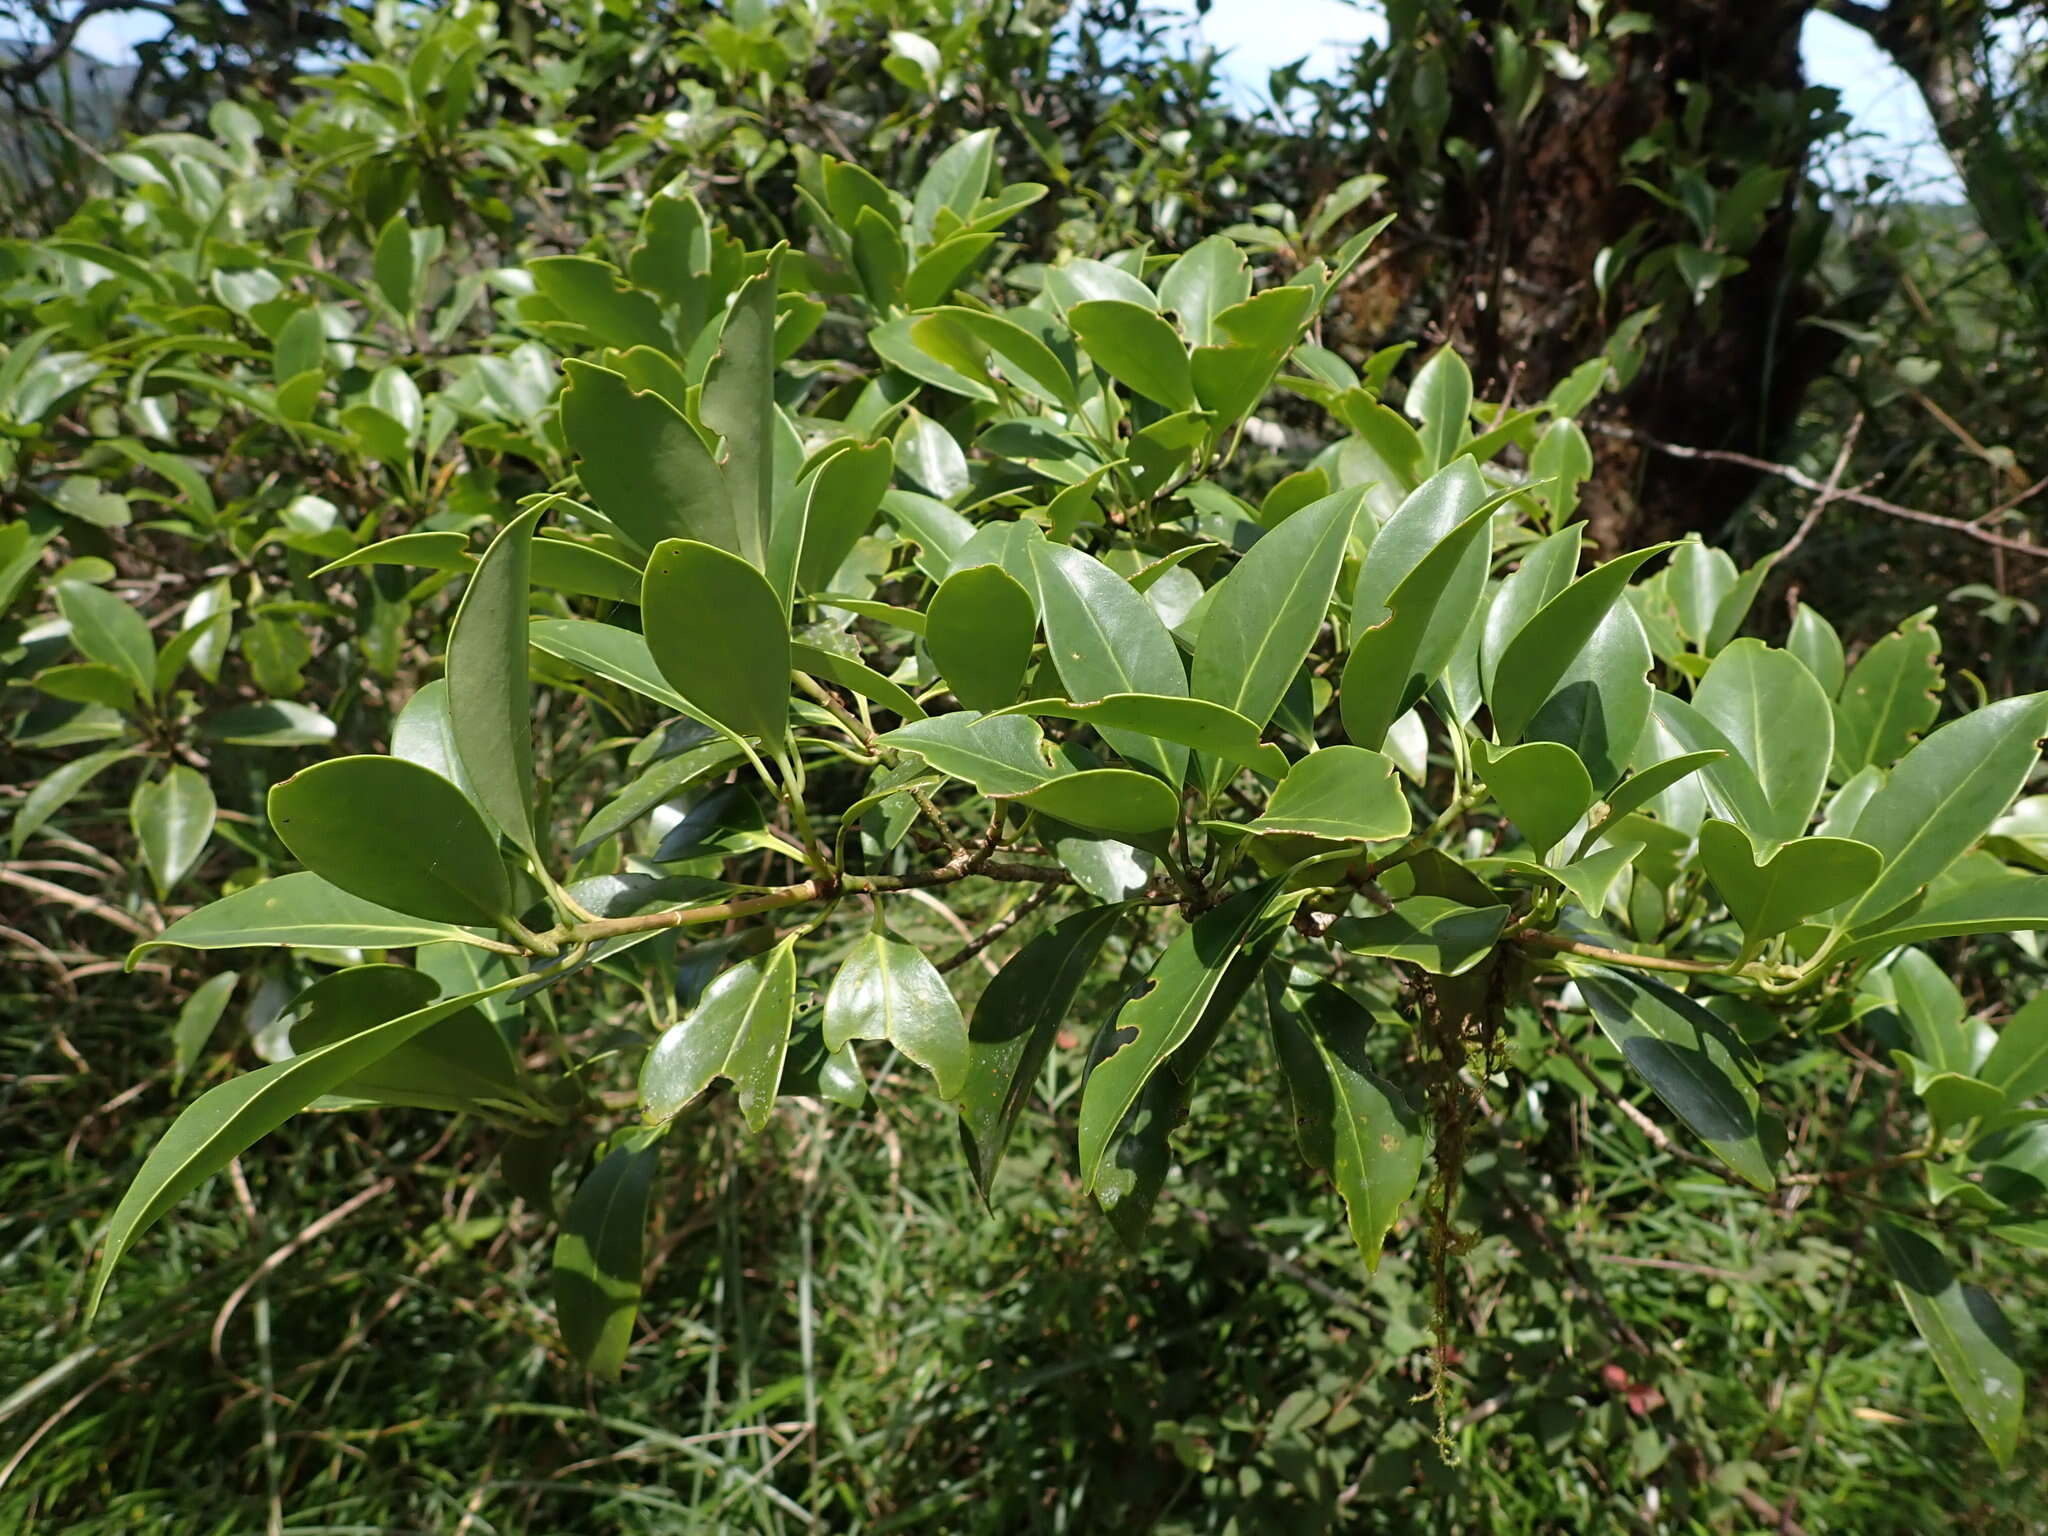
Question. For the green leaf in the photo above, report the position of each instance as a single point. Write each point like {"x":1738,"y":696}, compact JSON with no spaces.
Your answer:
{"x":739,"y":1030}
{"x":1701,"y":579}
{"x":1262,"y":618}
{"x":1440,"y":402}
{"x":304,"y":911}
{"x":1805,"y":876}
{"x":1207,"y":279}
{"x":607,"y":651}
{"x":172,"y":817}
{"x":1891,"y":696}
{"x":1015,"y":1024}
{"x":1137,"y":349}
{"x":1944,"y":795}
{"x":1968,"y":1336}
{"x":1645,"y":785}
{"x":845,"y":494}
{"x":1443,"y":937}
{"x":55,"y":790}
{"x":885,"y":989}
{"x":1541,"y":786}
{"x":855,"y":677}
{"x":2018,"y":1063}
{"x":270,"y":723}
{"x":108,"y":631}
{"x":1406,"y":644}
{"x":394,"y":833}
{"x":1105,"y":638}
{"x":1343,"y":794}
{"x":490,"y":704}
{"x":719,"y":634}
{"x":1350,"y":1122}
{"x":88,"y":682}
{"x":1814,"y":641}
{"x":1208,"y":728}
{"x":980,"y":629}
{"x":600,"y":1254}
{"x":458,"y":1066}
{"x":1119,"y":802}
{"x":1933,"y":1009}
{"x":196,"y":1021}
{"x":643,"y":463}
{"x":395,"y":270}
{"x":226,"y":1121}
{"x":998,"y":754}
{"x":1776,"y":716}
{"x":1692,"y":1061}
{"x":1546,"y":570}
{"x":1601,"y":705}
{"x":1537,"y":660}
{"x":2008,"y":905}
{"x":1177,"y":992}
{"x":956,"y":180}
{"x":1727,"y":782}
{"x":739,"y":405}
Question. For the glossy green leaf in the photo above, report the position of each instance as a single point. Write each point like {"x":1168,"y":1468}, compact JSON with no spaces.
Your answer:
{"x":1137,"y":349}
{"x":1443,"y":937}
{"x":1537,"y":660}
{"x":1690,"y":1059}
{"x":1727,"y":782}
{"x":1407,"y":644}
{"x":1350,"y":1122}
{"x":956,"y":180}
{"x":1209,"y":728}
{"x":720,"y":636}
{"x":1543,"y":574}
{"x":1120,"y":802}
{"x":1105,"y":638}
{"x":739,"y":405}
{"x":854,"y":677}
{"x":110,"y":632}
{"x":739,"y":1030}
{"x":1805,"y":876}
{"x":2018,"y":1063}
{"x":643,"y":463}
{"x":1775,"y":714}
{"x":1016,"y":1021}
{"x":456,"y":1066}
{"x":396,"y":834}
{"x":2007,"y":905}
{"x":1262,"y":618}
{"x":1440,"y":402}
{"x":601,"y":1252}
{"x":1177,"y":991}
{"x":998,"y":755}
{"x":55,"y":790}
{"x":607,"y":651}
{"x":885,"y":989}
{"x":490,"y":705}
{"x":1892,"y":694}
{"x":173,"y":817}
{"x":1944,"y":795}
{"x":1541,"y":786}
{"x":980,"y":629}
{"x":196,"y":1021}
{"x":1344,"y":794}
{"x":303,"y":911}
{"x":1646,"y":784}
{"x":845,"y":495}
{"x":226,"y":1121}
{"x":1972,"y":1344}
{"x":1814,"y":641}
{"x":1210,"y":277}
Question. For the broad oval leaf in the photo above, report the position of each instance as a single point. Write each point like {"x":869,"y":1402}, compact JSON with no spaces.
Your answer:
{"x":1541,"y":785}
{"x":173,"y":817}
{"x":980,"y":629}
{"x":997,"y":754}
{"x":1120,"y":802}
{"x":1776,"y":715}
{"x":1805,"y":876}
{"x":396,"y":834}
{"x":1892,"y":694}
{"x":110,"y":632}
{"x":1105,"y":638}
{"x":885,"y":989}
{"x":1136,"y":348}
{"x":720,"y":636}
{"x":1343,"y":794}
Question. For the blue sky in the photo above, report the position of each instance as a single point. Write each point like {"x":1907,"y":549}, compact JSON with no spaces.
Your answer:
{"x":1893,"y":133}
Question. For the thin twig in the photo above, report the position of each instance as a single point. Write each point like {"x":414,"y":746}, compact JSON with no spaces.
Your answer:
{"x":1806,"y":482}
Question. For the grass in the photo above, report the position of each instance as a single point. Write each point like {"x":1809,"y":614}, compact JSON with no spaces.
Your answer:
{"x":355,"y":1335}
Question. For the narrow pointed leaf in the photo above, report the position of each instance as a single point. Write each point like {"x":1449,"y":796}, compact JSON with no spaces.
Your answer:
{"x":1443,"y":937}
{"x":1106,"y":638}
{"x":643,"y":464}
{"x":601,"y":1252}
{"x":1972,"y":1344}
{"x":303,"y":911}
{"x":490,"y":700}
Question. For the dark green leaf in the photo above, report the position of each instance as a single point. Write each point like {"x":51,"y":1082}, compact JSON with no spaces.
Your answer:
{"x":643,"y":463}
{"x":1015,"y":1022}
{"x":980,"y":629}
{"x":108,"y":631}
{"x":720,"y":636}
{"x":1343,"y":794}
{"x":1120,"y":802}
{"x":394,"y":833}
{"x":490,"y":705}
{"x":1443,"y":937}
{"x":1968,"y":1336}
{"x":600,"y":1254}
